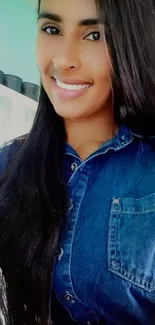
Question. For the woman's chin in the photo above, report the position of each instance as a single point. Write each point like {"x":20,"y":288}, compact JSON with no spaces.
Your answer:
{"x":70,"y":111}
{"x":71,"y":115}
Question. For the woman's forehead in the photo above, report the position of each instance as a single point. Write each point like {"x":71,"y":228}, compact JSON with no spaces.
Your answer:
{"x":70,"y":8}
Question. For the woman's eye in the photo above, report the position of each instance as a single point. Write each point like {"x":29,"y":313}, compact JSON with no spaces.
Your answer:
{"x":51,"y":30}
{"x":95,"y":36}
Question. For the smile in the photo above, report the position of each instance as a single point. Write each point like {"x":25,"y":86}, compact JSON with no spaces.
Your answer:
{"x":72,"y":89}
{"x":71,"y":86}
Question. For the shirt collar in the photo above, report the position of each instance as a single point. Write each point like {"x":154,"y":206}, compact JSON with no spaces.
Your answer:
{"x":122,"y":138}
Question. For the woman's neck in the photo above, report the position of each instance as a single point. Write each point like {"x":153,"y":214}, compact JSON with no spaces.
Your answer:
{"x":85,"y":136}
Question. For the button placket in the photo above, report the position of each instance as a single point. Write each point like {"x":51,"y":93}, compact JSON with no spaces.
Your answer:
{"x":65,"y":290}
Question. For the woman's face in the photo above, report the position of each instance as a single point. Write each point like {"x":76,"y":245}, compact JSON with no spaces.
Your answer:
{"x":72,"y":58}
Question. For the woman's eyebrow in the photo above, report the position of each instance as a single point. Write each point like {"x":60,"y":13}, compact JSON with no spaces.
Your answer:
{"x":58,"y":19}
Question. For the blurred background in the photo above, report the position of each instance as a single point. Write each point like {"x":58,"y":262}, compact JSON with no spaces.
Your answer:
{"x":19,"y":76}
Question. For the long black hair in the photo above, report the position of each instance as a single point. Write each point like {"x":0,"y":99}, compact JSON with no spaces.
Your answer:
{"x":33,"y":193}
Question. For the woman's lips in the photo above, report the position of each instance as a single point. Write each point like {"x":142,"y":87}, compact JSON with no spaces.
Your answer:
{"x":68,"y":94}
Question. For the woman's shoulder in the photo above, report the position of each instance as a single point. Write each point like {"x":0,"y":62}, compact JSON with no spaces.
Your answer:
{"x":9,"y":150}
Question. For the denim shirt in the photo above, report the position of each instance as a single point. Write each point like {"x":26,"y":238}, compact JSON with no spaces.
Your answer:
{"x":105,"y":271}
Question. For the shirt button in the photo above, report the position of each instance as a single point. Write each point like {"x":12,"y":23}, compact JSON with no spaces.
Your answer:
{"x":69,"y":297}
{"x":74,"y":167}
{"x":60,"y":254}
{"x":71,"y":204}
{"x":116,"y":201}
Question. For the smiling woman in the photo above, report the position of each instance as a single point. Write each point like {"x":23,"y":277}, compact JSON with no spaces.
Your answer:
{"x":77,"y":63}
{"x":77,"y":194}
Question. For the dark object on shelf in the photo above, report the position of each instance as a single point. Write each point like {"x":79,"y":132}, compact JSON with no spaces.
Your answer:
{"x":13,"y":82}
{"x":1,"y":77}
{"x":30,"y":90}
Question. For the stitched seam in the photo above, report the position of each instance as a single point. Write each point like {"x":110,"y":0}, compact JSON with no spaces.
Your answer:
{"x":133,"y":212}
{"x":69,"y":265}
{"x":128,"y":275}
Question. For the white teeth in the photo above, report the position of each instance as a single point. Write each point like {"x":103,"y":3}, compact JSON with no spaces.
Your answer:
{"x":71,"y":87}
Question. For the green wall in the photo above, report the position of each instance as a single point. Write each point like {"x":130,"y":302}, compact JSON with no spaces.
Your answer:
{"x":17,"y":36}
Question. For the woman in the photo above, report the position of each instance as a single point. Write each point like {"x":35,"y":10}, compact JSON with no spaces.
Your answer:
{"x":77,"y":198}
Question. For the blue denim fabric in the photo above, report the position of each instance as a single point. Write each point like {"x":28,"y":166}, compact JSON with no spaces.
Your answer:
{"x":105,"y":272}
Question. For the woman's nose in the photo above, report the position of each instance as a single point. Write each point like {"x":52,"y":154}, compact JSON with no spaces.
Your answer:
{"x":66,"y":60}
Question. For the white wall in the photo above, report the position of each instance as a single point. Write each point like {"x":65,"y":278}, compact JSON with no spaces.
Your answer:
{"x":17,"y":37}
{"x":17,"y":113}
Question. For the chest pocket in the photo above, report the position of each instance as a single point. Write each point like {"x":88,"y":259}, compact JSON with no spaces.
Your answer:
{"x":131,"y":240}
